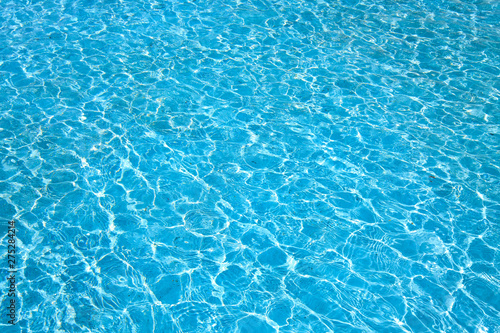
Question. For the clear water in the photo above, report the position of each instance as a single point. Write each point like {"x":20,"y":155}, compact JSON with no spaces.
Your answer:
{"x":252,"y":166}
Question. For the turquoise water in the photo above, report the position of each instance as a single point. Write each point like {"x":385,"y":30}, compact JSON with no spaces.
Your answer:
{"x":251,"y":166}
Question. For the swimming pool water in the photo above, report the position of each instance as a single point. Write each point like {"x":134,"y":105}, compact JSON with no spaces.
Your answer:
{"x":251,"y":165}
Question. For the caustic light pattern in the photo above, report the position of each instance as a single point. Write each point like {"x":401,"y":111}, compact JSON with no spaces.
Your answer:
{"x":252,"y":165}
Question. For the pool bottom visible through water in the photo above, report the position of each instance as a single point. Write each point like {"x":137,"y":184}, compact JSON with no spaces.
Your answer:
{"x":250,"y":166}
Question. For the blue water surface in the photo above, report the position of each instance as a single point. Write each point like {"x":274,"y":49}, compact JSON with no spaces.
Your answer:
{"x":252,"y":165}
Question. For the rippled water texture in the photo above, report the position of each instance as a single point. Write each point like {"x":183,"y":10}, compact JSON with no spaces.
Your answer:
{"x":252,"y":165}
